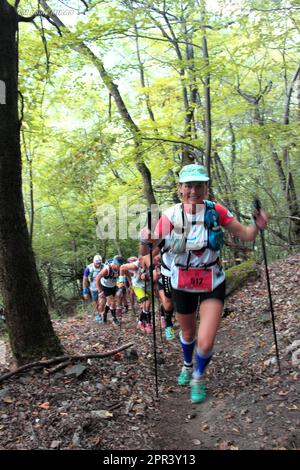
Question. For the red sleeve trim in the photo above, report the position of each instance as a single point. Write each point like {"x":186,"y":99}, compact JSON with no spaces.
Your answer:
{"x":224,"y":215}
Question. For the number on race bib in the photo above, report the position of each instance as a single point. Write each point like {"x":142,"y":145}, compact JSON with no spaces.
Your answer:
{"x":197,"y":279}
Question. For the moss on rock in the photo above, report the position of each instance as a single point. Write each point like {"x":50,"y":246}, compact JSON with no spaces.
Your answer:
{"x":239,"y":274}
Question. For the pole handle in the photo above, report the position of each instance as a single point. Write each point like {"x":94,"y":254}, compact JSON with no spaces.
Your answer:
{"x":257,"y":207}
{"x":149,"y":218}
{"x":257,"y":204}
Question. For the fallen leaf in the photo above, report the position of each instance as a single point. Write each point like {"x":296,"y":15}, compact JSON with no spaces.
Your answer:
{"x":97,"y":441}
{"x":293,"y":408}
{"x":7,"y":400}
{"x":196,"y":442}
{"x":45,"y":406}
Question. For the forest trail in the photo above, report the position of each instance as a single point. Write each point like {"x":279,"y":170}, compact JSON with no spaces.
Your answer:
{"x":249,"y":405}
{"x":111,"y":404}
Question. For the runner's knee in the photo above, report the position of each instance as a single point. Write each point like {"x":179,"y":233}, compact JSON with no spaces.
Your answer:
{"x":205,"y":345}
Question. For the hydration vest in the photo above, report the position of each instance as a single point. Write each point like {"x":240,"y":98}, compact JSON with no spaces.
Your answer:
{"x":111,"y":273}
{"x":214,"y":235}
{"x":215,"y":239}
{"x":93,"y":271}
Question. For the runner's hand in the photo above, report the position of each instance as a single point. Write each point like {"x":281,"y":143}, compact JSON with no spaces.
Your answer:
{"x":145,"y":236}
{"x":260,"y":218}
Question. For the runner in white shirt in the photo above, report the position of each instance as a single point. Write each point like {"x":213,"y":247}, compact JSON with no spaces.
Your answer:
{"x":196,"y":272}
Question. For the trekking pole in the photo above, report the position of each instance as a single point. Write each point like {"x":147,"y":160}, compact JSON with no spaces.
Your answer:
{"x":120,"y":329}
{"x":257,"y":206}
{"x":159,"y":304}
{"x":152,"y":300}
{"x":159,"y":317}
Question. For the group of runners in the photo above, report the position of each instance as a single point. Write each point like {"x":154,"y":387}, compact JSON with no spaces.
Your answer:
{"x":118,"y":282}
{"x":188,"y":273}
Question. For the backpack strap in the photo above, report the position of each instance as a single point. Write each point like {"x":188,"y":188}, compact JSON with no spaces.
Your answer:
{"x":183,"y":219}
{"x":109,"y":272}
{"x":209,"y":205}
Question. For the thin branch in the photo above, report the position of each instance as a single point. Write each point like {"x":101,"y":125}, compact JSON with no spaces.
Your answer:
{"x":72,"y":8}
{"x":276,"y":9}
{"x":59,"y":366}
{"x":44,"y":40}
{"x":288,"y":96}
{"x":48,"y":362}
{"x":85,"y":4}
{"x":181,"y":142}
{"x":30,"y":19}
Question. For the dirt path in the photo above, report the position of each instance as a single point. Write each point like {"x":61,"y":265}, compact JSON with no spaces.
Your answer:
{"x":249,"y":405}
{"x":245,"y":408}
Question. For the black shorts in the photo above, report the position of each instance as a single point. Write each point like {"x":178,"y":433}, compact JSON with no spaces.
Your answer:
{"x":108,"y":291}
{"x":164,"y":284}
{"x":187,"y":302}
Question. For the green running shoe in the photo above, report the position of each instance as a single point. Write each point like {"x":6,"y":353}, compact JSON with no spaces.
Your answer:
{"x":185,"y":376}
{"x":198,"y":393}
{"x":169,"y":332}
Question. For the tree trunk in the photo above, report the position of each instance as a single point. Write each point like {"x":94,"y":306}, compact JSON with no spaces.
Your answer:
{"x":207,"y":100}
{"x":29,"y":326}
{"x":50,"y":288}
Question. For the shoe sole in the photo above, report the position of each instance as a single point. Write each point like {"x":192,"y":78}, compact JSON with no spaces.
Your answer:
{"x":185,"y":384}
{"x":198,"y":401}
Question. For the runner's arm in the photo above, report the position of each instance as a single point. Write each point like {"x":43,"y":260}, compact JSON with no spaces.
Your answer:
{"x":85,"y":279}
{"x":249,"y":232}
{"x":164,"y":227}
{"x":124,"y":269}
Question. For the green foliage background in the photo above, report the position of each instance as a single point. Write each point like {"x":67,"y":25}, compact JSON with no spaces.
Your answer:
{"x":81,"y":153}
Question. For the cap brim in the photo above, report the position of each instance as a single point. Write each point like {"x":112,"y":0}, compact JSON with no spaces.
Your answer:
{"x":190,"y":179}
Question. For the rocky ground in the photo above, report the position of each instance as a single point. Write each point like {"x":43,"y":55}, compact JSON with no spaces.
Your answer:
{"x":111,"y":403}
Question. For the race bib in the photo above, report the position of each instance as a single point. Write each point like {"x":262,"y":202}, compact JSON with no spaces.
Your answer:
{"x":197,"y":279}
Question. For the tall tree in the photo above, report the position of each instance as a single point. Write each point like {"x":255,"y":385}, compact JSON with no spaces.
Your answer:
{"x":30,"y":329}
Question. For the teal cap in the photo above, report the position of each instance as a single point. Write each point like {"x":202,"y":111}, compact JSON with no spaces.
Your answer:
{"x":193,"y":172}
